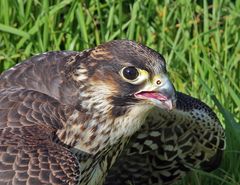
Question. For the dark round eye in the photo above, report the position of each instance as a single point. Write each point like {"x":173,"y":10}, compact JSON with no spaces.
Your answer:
{"x":130,"y":73}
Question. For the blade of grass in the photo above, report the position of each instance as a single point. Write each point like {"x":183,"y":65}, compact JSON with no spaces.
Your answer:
{"x":15,"y":31}
{"x":82,"y":25}
{"x":133,"y":20}
{"x":46,"y":25}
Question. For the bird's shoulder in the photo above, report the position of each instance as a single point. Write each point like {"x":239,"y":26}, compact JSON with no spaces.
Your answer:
{"x":46,"y":73}
{"x":28,"y":109}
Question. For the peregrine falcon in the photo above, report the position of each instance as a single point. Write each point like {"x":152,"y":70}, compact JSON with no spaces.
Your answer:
{"x":66,"y":117}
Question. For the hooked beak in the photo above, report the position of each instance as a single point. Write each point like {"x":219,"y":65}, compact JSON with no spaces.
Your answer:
{"x":160,"y":95}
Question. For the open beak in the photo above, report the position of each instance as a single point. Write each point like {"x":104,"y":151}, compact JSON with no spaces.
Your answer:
{"x":162,"y":96}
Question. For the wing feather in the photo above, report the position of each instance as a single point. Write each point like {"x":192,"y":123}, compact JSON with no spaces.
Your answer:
{"x":170,"y":144}
{"x":43,"y":73}
{"x":28,"y":154}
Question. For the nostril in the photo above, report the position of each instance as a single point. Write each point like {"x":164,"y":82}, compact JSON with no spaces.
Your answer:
{"x":158,"y":82}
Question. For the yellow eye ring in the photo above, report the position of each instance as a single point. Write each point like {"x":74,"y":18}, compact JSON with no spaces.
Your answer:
{"x":134,"y":75}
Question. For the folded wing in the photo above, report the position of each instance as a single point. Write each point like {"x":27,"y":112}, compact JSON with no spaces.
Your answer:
{"x":28,"y":154}
{"x":171,"y":144}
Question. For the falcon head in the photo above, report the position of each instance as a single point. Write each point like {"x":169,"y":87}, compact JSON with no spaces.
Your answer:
{"x":119,"y":82}
{"x":123,"y":74}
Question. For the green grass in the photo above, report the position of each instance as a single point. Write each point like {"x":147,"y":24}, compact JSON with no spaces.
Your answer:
{"x":200,"y":41}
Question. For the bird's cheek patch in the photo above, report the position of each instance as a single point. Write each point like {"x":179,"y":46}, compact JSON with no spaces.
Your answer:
{"x":104,"y":81}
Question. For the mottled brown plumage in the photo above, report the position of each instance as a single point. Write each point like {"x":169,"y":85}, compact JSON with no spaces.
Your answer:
{"x":170,"y":144}
{"x":66,"y":116}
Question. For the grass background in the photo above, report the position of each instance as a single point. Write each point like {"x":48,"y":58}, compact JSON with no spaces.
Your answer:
{"x":200,"y":41}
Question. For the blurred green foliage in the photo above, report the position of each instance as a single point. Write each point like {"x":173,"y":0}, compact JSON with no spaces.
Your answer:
{"x":200,"y":41}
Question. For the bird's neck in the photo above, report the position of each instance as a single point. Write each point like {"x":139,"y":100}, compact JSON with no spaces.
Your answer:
{"x":92,"y":133}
